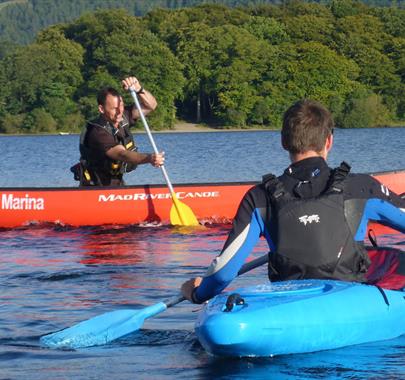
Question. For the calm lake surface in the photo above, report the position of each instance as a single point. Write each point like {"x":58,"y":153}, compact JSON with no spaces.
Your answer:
{"x":54,"y":276}
{"x":197,"y":157}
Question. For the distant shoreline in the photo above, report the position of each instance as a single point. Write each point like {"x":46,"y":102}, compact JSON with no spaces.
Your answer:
{"x":184,"y":127}
{"x":180,"y":127}
{"x":193,"y":127}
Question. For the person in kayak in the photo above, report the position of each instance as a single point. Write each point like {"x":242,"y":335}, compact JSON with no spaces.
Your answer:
{"x":107,"y":146}
{"x":314,"y":218}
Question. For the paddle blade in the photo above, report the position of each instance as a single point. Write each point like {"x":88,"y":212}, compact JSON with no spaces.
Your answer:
{"x":101,"y":329}
{"x":181,"y":214}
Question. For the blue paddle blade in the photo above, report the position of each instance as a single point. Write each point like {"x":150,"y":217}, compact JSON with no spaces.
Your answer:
{"x":101,"y":329}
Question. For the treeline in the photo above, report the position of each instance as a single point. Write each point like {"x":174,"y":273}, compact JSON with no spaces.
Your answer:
{"x":223,"y":66}
{"x":20,"y":20}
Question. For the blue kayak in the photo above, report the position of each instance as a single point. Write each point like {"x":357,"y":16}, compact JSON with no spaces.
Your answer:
{"x":299,"y":316}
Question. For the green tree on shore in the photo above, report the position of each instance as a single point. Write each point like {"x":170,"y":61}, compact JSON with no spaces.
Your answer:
{"x":214,"y":64}
{"x":40,"y":82}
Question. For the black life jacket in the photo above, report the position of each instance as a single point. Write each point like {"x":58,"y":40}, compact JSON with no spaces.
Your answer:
{"x":92,"y":162}
{"x":312,"y":236}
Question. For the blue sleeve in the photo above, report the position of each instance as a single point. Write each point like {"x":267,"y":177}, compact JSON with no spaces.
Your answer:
{"x":248,"y":226}
{"x":383,"y":211}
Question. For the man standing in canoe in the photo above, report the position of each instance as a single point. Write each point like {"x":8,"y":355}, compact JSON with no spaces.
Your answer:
{"x":107,"y":146}
{"x":314,"y":218}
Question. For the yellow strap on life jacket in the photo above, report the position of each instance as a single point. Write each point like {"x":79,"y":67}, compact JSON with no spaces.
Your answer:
{"x":87,"y":175}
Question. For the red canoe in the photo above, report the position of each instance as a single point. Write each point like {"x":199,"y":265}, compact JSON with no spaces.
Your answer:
{"x":211,"y":202}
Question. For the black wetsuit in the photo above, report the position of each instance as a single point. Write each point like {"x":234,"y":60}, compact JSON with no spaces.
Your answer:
{"x":364,"y":197}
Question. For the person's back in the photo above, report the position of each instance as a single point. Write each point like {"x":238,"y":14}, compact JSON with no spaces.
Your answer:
{"x":309,"y":226}
{"x":313,"y":218}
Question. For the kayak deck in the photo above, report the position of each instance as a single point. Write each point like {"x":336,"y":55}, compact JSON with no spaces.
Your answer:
{"x":298,"y":317}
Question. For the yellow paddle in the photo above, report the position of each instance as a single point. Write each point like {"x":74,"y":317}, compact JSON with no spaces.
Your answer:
{"x":180,"y":213}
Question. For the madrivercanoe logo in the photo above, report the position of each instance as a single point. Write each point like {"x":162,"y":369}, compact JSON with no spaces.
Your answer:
{"x":144,"y":197}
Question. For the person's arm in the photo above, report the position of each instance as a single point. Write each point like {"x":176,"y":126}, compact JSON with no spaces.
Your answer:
{"x":248,"y":226}
{"x":119,"y":153}
{"x":146,"y":99}
{"x":384,"y":212}
{"x":379,"y":204}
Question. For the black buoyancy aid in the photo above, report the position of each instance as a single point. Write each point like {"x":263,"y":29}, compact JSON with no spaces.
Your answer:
{"x":312,"y":236}
{"x":91,"y":162}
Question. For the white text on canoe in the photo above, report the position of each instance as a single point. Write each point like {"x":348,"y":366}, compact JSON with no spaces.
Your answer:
{"x":9,"y":202}
{"x":144,"y":197}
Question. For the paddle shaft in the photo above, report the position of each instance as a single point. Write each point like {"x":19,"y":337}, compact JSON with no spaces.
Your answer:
{"x":151,"y":139}
{"x":245,"y":268}
{"x":107,"y":327}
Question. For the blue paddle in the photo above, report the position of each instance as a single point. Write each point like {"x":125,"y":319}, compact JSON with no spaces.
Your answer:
{"x":115,"y":324}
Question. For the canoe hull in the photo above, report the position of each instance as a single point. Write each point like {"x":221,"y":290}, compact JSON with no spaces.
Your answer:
{"x":299,"y":317}
{"x":124,"y":205}
{"x":212,"y":203}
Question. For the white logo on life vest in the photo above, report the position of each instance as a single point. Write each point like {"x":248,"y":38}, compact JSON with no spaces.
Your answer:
{"x":309,"y":219}
{"x":144,"y":197}
{"x":10,"y":202}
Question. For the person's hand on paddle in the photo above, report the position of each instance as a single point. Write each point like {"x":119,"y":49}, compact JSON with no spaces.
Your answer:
{"x":188,"y":287}
{"x":157,"y":160}
{"x":146,"y":99}
{"x":131,"y":83}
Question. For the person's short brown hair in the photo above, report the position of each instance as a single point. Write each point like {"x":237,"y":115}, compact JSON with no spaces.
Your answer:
{"x":306,"y":126}
{"x":104,"y":92}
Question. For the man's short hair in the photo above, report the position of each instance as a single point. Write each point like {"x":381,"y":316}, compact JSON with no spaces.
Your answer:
{"x":104,"y":92}
{"x":306,"y":126}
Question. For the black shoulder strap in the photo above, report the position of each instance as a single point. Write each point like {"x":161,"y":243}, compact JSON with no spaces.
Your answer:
{"x":268,"y":177}
{"x":275,"y":190}
{"x":125,"y":122}
{"x":337,"y":177}
{"x":83,"y":134}
{"x":102,"y":123}
{"x":85,"y":152}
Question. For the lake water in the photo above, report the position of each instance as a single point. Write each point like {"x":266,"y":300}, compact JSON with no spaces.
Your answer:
{"x":197,"y":157}
{"x":54,"y":276}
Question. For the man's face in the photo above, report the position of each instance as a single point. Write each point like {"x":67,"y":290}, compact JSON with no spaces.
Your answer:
{"x":113,"y":109}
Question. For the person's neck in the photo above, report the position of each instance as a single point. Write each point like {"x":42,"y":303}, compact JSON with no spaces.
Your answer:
{"x":114,"y":124}
{"x":302,"y":156}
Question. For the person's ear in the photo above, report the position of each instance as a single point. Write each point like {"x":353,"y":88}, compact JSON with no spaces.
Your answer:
{"x":329,"y":143}
{"x":282,"y":143}
{"x":100,"y":108}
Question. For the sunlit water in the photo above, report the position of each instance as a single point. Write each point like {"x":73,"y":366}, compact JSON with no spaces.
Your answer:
{"x":197,"y":157}
{"x":52,"y":276}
